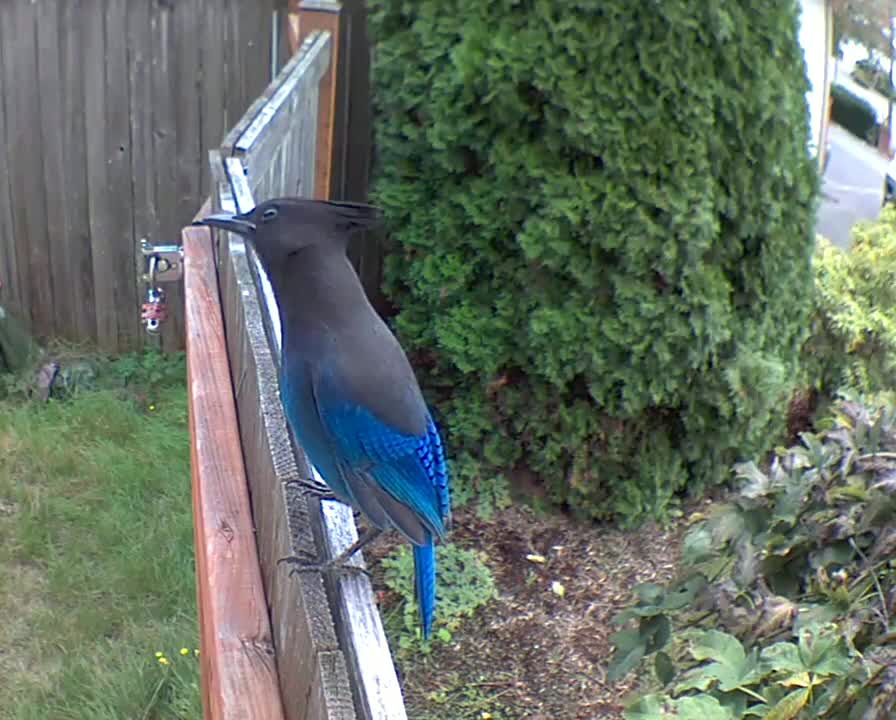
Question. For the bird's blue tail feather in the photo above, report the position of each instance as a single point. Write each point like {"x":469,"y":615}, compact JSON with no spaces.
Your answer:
{"x":425,"y":584}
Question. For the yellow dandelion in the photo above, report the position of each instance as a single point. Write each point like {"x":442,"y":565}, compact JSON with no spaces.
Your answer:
{"x":159,"y":654}
{"x":196,"y":652}
{"x":163,"y":661}
{"x":152,"y":408}
{"x":185,"y":651}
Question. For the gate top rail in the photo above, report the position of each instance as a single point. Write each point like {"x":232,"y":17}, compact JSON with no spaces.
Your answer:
{"x":332,"y":658}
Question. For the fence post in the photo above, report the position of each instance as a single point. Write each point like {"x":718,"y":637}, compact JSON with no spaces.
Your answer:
{"x":306,"y":16}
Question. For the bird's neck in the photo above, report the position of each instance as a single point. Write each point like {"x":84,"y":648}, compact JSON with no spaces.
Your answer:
{"x":316,"y":287}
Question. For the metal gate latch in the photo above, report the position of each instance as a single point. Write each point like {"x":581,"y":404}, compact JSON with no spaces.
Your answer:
{"x":164,"y":263}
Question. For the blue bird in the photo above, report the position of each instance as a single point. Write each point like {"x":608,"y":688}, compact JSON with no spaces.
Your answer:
{"x":348,"y":390}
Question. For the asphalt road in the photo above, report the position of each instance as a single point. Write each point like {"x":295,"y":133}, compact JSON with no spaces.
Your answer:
{"x":852,"y":187}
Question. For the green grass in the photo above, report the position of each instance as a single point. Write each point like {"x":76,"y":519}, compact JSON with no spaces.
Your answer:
{"x":96,"y":550}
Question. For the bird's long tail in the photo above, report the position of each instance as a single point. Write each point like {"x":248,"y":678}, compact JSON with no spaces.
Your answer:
{"x":425,"y":583}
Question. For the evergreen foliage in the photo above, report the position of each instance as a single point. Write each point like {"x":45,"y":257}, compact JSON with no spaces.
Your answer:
{"x":602,"y":219}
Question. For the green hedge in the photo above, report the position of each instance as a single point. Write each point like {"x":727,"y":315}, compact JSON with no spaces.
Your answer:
{"x":602,"y":226}
{"x":853,"y":114}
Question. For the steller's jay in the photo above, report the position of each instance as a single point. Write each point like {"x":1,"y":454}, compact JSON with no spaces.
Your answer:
{"x":347,"y":388}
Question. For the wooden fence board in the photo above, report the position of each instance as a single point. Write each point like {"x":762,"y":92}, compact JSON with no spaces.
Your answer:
{"x":236,"y":634}
{"x":102,"y":75}
{"x":11,"y":292}
{"x":146,"y":221}
{"x":51,"y":121}
{"x":23,"y":131}
{"x":76,"y":245}
{"x":214,"y":81}
{"x":302,"y":624}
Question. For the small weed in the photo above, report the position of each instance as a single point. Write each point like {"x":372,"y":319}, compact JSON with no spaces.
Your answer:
{"x":464,"y":584}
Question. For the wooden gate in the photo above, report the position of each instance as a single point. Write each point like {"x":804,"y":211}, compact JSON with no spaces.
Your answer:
{"x":319,"y":639}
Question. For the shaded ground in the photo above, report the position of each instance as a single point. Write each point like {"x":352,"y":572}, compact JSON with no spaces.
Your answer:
{"x":531,"y":653}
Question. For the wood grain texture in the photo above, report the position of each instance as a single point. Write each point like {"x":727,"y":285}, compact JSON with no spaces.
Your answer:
{"x":319,"y":15}
{"x":236,"y":641}
{"x":273,"y":137}
{"x":145,"y":217}
{"x":24,"y":153}
{"x":11,"y":292}
{"x":312,"y":666}
{"x":114,"y":256}
{"x":108,"y":111}
{"x":52,"y":120}
{"x":76,"y":248}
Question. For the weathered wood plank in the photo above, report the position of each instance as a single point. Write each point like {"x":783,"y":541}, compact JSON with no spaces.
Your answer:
{"x":214,"y":84}
{"x":108,"y":168}
{"x":117,"y":261}
{"x":359,"y":625}
{"x":237,"y":642}
{"x":237,"y":97}
{"x":76,"y":250}
{"x":323,"y":15}
{"x":11,"y":292}
{"x":25,"y":157}
{"x":145,"y":218}
{"x":358,"y":133}
{"x":94,"y":65}
{"x":54,"y":189}
{"x":311,"y":662}
{"x":164,"y":124}
{"x":274,"y":123}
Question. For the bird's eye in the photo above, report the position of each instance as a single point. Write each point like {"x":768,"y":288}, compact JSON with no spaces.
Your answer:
{"x":269,"y":214}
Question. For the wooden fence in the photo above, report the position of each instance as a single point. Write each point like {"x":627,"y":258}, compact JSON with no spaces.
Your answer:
{"x":108,"y":109}
{"x":319,"y":638}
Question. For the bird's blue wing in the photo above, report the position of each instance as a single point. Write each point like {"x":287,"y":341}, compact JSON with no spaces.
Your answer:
{"x":411,"y":469}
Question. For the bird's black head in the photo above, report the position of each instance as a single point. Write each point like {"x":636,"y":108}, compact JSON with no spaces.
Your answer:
{"x":282,"y":226}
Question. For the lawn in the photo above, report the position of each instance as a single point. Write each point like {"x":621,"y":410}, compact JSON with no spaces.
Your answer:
{"x":96,"y":548}
{"x":96,"y":575}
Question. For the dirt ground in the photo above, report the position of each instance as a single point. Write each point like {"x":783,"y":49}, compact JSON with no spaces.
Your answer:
{"x":533,"y":653}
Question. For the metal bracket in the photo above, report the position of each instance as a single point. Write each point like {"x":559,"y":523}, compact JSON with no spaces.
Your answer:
{"x":164,"y":263}
{"x":169,"y":265}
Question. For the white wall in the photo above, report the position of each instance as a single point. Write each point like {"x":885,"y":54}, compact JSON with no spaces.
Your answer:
{"x":814,"y":40}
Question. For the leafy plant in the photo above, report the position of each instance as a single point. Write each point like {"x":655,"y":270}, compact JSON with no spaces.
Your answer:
{"x":853,"y":343}
{"x":602,"y":267}
{"x":465,"y":584}
{"x":785,"y":610}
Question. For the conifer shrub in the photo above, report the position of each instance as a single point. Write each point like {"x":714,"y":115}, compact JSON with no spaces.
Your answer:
{"x":600,"y":217}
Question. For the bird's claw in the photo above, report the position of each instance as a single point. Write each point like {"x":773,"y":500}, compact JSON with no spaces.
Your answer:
{"x":301,"y":565}
{"x":311,"y":487}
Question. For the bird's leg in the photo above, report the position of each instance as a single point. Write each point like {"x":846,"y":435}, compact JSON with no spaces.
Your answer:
{"x":338,"y":563}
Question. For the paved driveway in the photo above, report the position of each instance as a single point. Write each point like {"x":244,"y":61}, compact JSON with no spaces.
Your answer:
{"x":852,"y":188}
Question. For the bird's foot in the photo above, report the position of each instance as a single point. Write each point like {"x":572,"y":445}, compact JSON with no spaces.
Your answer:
{"x":307,"y":564}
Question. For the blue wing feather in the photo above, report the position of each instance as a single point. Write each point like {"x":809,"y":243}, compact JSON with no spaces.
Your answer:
{"x":410,"y":468}
{"x":351,"y":446}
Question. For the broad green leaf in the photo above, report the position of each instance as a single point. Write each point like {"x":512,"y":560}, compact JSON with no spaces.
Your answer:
{"x":657,"y":707}
{"x":782,"y":657}
{"x":664,"y":668}
{"x":732,"y":667}
{"x":630,"y":648}
{"x":789,"y":706}
{"x":649,"y":707}
{"x":656,"y":632}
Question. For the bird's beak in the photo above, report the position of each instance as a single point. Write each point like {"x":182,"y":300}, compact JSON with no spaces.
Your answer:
{"x":238,"y":224}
